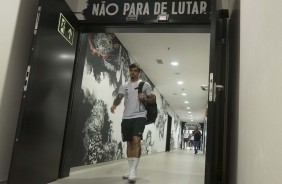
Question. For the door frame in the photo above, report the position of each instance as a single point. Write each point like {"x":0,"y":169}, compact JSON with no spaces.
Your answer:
{"x":168,"y":132}
{"x":139,"y":28}
{"x":215,"y":168}
{"x":110,"y":28}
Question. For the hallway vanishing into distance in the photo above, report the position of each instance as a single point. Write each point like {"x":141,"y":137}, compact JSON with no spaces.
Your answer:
{"x":174,"y":167}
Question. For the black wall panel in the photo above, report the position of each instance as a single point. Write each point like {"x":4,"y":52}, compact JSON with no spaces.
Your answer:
{"x":41,"y":126}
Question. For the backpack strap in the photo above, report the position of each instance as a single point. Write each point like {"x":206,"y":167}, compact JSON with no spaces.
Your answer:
{"x":140,"y":86}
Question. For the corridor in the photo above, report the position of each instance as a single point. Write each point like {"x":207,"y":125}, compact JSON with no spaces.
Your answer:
{"x":174,"y":167}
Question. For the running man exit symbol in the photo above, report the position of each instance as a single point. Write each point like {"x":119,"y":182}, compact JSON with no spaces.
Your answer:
{"x":65,"y":28}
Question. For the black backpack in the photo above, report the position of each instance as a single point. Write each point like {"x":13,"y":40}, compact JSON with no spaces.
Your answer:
{"x":152,"y":109}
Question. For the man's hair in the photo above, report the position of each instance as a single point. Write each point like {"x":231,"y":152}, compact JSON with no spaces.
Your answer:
{"x":135,"y":65}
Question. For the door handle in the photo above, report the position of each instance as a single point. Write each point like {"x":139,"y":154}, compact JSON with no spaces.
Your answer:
{"x":217,"y":88}
{"x":204,"y":87}
{"x":220,"y":87}
{"x":213,"y":88}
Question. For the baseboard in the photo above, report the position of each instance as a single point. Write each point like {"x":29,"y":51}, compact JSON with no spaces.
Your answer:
{"x":3,"y":182}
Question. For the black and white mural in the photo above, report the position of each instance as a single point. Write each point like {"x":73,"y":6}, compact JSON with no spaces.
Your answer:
{"x":98,"y":130}
{"x":176,"y":134}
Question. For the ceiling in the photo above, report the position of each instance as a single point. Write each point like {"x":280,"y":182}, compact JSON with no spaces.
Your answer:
{"x":191,"y":51}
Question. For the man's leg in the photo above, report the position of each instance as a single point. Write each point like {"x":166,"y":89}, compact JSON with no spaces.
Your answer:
{"x":125,"y":129}
{"x":136,"y":147}
{"x":195,"y":147}
{"x":129,"y":158}
{"x":134,"y":150}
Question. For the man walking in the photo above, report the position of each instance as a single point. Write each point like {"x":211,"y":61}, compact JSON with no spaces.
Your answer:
{"x":134,"y":117}
{"x":197,"y":139}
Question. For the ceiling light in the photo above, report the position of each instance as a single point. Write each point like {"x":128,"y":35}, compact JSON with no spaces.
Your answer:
{"x":180,"y":82}
{"x":163,"y":18}
{"x":188,"y":107}
{"x":189,"y":112}
{"x":184,"y":94}
{"x":131,"y":18}
{"x":174,"y":63}
{"x":186,"y":102}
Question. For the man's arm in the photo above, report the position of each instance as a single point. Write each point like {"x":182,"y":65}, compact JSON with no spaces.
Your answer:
{"x":116,"y":102}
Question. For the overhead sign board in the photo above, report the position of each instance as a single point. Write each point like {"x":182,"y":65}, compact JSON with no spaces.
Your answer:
{"x":121,"y":11}
{"x":65,"y":28}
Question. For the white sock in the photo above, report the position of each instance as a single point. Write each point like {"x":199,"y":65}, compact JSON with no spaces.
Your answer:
{"x":130,"y":163}
{"x":135,"y":163}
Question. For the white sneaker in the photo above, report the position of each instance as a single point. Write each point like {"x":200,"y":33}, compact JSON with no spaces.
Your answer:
{"x":125,"y":175}
{"x":132,"y":176}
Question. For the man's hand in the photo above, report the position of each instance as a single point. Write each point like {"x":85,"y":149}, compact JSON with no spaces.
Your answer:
{"x":113,"y":108}
{"x":116,"y":102}
{"x":142,"y":97}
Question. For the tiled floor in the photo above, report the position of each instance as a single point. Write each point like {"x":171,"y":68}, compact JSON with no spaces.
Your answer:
{"x":174,"y":167}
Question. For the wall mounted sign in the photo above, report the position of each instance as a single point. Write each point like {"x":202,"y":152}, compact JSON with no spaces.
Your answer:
{"x":65,"y":28}
{"x":123,"y":11}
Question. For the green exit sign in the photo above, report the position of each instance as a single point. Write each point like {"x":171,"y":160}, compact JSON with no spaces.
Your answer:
{"x":66,"y":29}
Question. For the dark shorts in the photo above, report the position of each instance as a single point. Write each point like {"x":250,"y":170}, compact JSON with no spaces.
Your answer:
{"x":186,"y":139}
{"x":132,"y":127}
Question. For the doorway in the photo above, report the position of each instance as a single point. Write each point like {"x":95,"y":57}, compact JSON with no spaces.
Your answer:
{"x":97,"y":135}
{"x":146,"y":29}
{"x":98,"y":80}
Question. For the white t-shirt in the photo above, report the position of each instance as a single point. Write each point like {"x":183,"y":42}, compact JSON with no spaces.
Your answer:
{"x":192,"y":138}
{"x":134,"y":108}
{"x":186,"y":135}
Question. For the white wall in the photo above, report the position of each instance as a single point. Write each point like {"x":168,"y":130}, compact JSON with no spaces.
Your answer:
{"x":17,"y":21}
{"x":260,"y":101}
{"x":224,"y":4}
{"x":72,"y":4}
